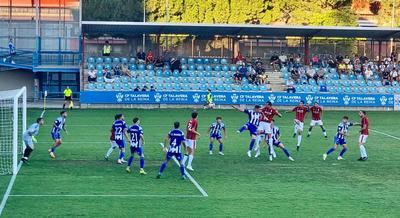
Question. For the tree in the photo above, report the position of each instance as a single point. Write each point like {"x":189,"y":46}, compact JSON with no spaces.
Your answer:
{"x":112,"y":10}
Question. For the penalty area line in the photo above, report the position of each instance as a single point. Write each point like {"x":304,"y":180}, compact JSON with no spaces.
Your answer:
{"x":388,"y":135}
{"x":133,"y":195}
{"x":9,"y":188}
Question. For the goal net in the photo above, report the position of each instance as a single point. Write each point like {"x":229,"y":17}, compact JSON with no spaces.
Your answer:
{"x":12,"y":126}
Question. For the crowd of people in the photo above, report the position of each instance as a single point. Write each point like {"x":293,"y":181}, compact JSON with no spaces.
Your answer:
{"x":254,"y":72}
{"x":388,"y":69}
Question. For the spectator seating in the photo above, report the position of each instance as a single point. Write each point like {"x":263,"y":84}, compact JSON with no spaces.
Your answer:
{"x":346,"y":84}
{"x":198,"y":74}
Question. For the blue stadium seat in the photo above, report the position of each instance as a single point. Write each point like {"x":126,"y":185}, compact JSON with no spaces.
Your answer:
{"x":108,"y":87}
{"x":176,"y":73}
{"x":339,"y":90}
{"x":134,"y":80}
{"x":185,"y":80}
{"x":107,"y":60}
{"x":233,"y":68}
{"x":332,"y":70}
{"x":132,"y":60}
{"x":362,"y":83}
{"x":90,"y":66}
{"x":354,"y":83}
{"x":126,"y":86}
{"x":284,"y":70}
{"x":360,"y":77}
{"x":100,"y":86}
{"x":190,"y":61}
{"x":228,"y":88}
{"x":183,"y":61}
{"x":364,"y":90}
{"x":117,"y":86}
{"x":217,"y":68}
{"x":167,"y":73}
{"x":159,"y":72}
{"x":246,"y":87}
{"x":263,"y":88}
{"x":203,"y":87}
{"x":394,"y":83}
{"x":215,"y":61}
{"x":378,"y":83}
{"x":208,"y":68}
{"x":347,"y":90}
{"x":192,"y":73}
{"x":224,"y":61}
{"x":184,"y":73}
{"x":376,"y":77}
{"x":184,"y":67}
{"x":99,"y":67}
{"x":206,"y":61}
{"x":225,"y":68}
{"x":195,"y":87}
{"x":99,"y":60}
{"x":199,"y":61}
{"x":185,"y":86}
{"x":397,"y":90}
{"x":108,"y":67}
{"x":151,"y":73}
{"x":372,"y":90}
{"x":192,"y":67}
{"x":99,"y":73}
{"x":220,"y":88}
{"x":91,"y":86}
{"x":200,"y":67}
{"x":150,"y":67}
{"x":389,"y":90}
{"x":312,"y":82}
{"x":207,"y":74}
{"x":329,"y":82}
{"x":124,"y":79}
{"x":124,"y":60}
{"x":217,"y":74}
{"x":141,"y":67}
{"x":237,"y":88}
{"x":116,"y":60}
{"x":212,"y":87}
{"x":100,"y":79}
{"x":200,"y":74}
{"x":132,"y":67}
{"x":332,"y":89}
{"x":90,"y":60}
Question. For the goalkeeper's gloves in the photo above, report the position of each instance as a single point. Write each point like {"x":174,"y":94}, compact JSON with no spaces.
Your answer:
{"x":34,"y":139}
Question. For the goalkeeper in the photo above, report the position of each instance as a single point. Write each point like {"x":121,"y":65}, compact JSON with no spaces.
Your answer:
{"x":29,"y":138}
{"x":210,"y":101}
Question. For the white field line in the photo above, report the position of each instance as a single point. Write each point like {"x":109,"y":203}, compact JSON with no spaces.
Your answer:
{"x":9,"y":188}
{"x":388,"y":135}
{"x":100,"y":195}
{"x":195,"y":183}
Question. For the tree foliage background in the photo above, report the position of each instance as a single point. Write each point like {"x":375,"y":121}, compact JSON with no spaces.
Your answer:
{"x":296,"y":12}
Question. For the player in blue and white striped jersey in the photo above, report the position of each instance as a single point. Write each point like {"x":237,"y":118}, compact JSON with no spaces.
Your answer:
{"x":58,"y":125}
{"x":136,"y":140}
{"x":276,"y":135}
{"x":251,"y":125}
{"x":175,"y":140}
{"x":340,"y":138}
{"x":29,"y":138}
{"x":215,"y":132}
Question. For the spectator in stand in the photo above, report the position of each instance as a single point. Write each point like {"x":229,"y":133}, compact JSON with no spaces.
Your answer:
{"x":332,"y":63}
{"x":240,"y":74}
{"x":349,"y":68}
{"x":159,"y":63}
{"x":274,"y":61}
{"x":394,"y":56}
{"x":261,"y":75}
{"x":385,"y":77}
{"x":108,"y":76}
{"x":92,"y":77}
{"x":315,"y":61}
{"x":295,"y":75}
{"x":341,"y":69}
{"x":339,"y":59}
{"x":167,"y":56}
{"x":126,"y":71}
{"x":346,"y":60}
{"x":107,"y":49}
{"x":290,"y":86}
{"x":357,"y":67}
{"x":368,"y":73}
{"x":141,"y":56}
{"x":152,"y":89}
{"x":394,"y":76}
{"x":310,"y":74}
{"x":282,"y":60}
{"x":144,"y":89}
{"x":240,"y":58}
{"x":252,"y":75}
{"x":136,"y":89}
{"x":297,"y":61}
{"x":117,"y":70}
{"x":176,"y":65}
{"x":320,"y":75}
{"x":149,"y":57}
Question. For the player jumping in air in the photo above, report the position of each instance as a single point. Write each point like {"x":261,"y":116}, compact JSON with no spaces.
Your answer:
{"x":276,"y":135}
{"x":215,"y":132}
{"x":363,"y":135}
{"x":252,"y":124}
{"x":119,"y":130}
{"x":340,"y":138}
{"x":191,"y":135}
{"x":58,"y":125}
{"x":113,"y":144}
{"x":265,"y":131}
{"x":301,"y":111}
{"x":137,"y":141}
{"x":175,"y":138}
{"x":29,"y":138}
{"x":316,"y":115}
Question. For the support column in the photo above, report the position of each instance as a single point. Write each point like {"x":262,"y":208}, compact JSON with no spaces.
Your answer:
{"x":233,"y":49}
{"x":306,"y":50}
{"x":380,"y":50}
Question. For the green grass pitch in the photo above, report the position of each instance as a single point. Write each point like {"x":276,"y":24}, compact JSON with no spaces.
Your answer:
{"x":81,"y":183}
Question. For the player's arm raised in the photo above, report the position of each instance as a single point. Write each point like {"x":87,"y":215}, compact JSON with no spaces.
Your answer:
{"x":238,"y":108}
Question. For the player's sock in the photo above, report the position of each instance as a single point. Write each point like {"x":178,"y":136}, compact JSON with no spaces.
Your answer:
{"x":330,"y":150}
{"x":130,"y":161}
{"x":221,"y":147}
{"x":121,"y":155}
{"x":323,"y":131}
{"x":309,"y":131}
{"x":258,"y":140}
{"x":110,"y":150}
{"x":141,"y":162}
{"x":182,"y":168}
{"x":162,"y":168}
{"x":211,"y":146}
{"x":190,"y":160}
{"x":299,"y":140}
{"x":271,"y":146}
{"x":363,"y":151}
{"x":185,"y":157}
{"x":243,"y":128}
{"x":27,"y":151}
{"x":53,"y":149}
{"x":251,"y":146}
{"x":286,"y":152}
{"x":342,"y":152}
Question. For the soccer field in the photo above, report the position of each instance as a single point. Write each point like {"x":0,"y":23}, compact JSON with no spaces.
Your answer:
{"x":79,"y":182}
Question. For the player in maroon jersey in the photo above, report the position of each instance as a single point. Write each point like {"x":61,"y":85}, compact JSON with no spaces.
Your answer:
{"x":301,"y":111}
{"x":191,"y":136}
{"x":264,"y":129}
{"x":316,"y":115}
{"x":113,"y":144}
{"x":363,"y":135}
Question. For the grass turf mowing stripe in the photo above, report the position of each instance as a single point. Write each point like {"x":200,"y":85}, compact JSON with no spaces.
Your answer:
{"x":133,"y":195}
{"x":382,"y":133}
{"x":9,"y":188}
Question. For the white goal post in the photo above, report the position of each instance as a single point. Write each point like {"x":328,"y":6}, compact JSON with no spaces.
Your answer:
{"x":12,"y":126}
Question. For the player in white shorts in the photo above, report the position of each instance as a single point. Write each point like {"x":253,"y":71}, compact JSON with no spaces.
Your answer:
{"x":316,"y":115}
